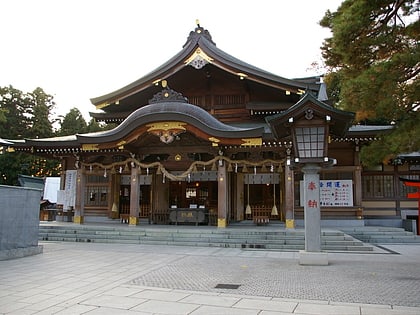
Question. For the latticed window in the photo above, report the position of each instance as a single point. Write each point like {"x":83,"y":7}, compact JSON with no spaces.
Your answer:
{"x":96,"y":191}
{"x":96,"y":179}
{"x":378,"y":186}
{"x":96,"y":196}
{"x":229,"y":99}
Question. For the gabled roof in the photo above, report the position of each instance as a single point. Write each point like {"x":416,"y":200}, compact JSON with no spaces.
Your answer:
{"x":197,"y":51}
{"x":340,"y":120}
{"x":172,"y":111}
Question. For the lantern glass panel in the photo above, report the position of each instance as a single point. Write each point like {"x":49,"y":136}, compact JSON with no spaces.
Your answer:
{"x":310,"y":141}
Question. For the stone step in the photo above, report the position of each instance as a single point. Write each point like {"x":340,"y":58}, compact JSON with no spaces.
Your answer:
{"x":377,"y":235}
{"x":279,"y":239}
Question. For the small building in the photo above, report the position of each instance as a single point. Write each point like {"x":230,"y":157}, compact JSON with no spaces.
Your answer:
{"x":193,"y":145}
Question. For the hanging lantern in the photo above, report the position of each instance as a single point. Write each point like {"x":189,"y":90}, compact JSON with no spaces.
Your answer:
{"x":245,"y":169}
{"x":263,"y":169}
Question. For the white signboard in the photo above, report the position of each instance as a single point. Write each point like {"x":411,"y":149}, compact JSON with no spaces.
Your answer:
{"x":70,"y":190}
{"x":51,"y":188}
{"x":333,"y":193}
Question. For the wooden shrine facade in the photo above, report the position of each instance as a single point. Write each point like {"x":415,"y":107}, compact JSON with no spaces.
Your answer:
{"x":192,"y":144}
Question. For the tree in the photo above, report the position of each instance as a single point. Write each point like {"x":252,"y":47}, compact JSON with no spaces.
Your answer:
{"x":72,"y":123}
{"x":25,"y":115}
{"x":15,"y":106}
{"x":42,"y":106}
{"x":373,"y":59}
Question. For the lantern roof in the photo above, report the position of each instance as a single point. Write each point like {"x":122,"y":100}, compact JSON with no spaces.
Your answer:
{"x":309,"y":105}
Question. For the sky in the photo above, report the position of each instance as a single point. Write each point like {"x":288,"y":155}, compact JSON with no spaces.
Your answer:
{"x":76,"y":50}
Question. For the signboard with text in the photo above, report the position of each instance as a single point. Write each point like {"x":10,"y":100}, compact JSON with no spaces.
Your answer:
{"x":333,"y":193}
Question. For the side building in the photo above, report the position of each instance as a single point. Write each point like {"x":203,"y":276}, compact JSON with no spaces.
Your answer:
{"x":192,"y":144}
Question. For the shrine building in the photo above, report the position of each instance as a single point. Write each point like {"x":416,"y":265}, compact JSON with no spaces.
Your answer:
{"x":195,"y":143}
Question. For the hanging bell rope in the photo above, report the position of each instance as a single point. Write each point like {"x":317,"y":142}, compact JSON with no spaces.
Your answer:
{"x":248,"y":207}
{"x":274,"y":211}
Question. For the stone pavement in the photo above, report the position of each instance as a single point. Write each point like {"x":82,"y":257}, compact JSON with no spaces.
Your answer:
{"x":92,"y":278}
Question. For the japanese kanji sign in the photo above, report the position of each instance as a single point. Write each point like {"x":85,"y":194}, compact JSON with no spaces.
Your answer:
{"x":333,"y":193}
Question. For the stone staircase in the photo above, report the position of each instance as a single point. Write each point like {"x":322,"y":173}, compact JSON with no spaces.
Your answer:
{"x":268,"y":238}
{"x":381,"y":235}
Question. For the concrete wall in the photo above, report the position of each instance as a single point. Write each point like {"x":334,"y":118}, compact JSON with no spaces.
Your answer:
{"x":19,"y":217}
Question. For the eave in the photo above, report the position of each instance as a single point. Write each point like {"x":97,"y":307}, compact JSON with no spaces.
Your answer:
{"x":201,"y":40}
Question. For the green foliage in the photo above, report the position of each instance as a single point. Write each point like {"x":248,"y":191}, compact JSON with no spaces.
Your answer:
{"x":42,"y":106}
{"x":15,"y":106}
{"x":72,"y":123}
{"x":29,"y":115}
{"x":374,"y":62}
{"x":14,"y":164}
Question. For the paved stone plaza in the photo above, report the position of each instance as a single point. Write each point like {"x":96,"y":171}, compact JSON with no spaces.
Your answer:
{"x":88,"y":278}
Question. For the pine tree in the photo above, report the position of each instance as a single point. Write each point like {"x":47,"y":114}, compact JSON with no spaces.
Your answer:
{"x":72,"y":123}
{"x":41,"y":110}
{"x":374,"y":62}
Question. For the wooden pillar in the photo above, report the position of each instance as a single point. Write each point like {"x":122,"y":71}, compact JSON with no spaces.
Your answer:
{"x":358,"y":191}
{"x":289,"y":201}
{"x":79,"y":209}
{"x":221,"y":196}
{"x":134,"y":197}
{"x":357,"y":186}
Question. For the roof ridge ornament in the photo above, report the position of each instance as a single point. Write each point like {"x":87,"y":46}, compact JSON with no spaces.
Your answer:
{"x":198,"y":59}
{"x":167,"y":95}
{"x":199,"y":32}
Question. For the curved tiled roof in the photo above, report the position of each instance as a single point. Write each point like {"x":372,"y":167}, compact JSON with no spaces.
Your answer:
{"x":200,"y":38}
{"x":173,"y":111}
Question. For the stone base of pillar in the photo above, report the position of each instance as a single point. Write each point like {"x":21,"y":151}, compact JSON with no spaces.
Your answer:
{"x":133,"y":221}
{"x":78,"y":219}
{"x":221,"y":223}
{"x":290,"y":224}
{"x":313,"y":258}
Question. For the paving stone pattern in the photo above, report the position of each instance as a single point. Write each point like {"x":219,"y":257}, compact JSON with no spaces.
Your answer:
{"x":361,"y":282}
{"x":91,"y":278}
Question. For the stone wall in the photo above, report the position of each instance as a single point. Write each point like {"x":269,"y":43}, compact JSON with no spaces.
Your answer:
{"x":19,"y":221}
